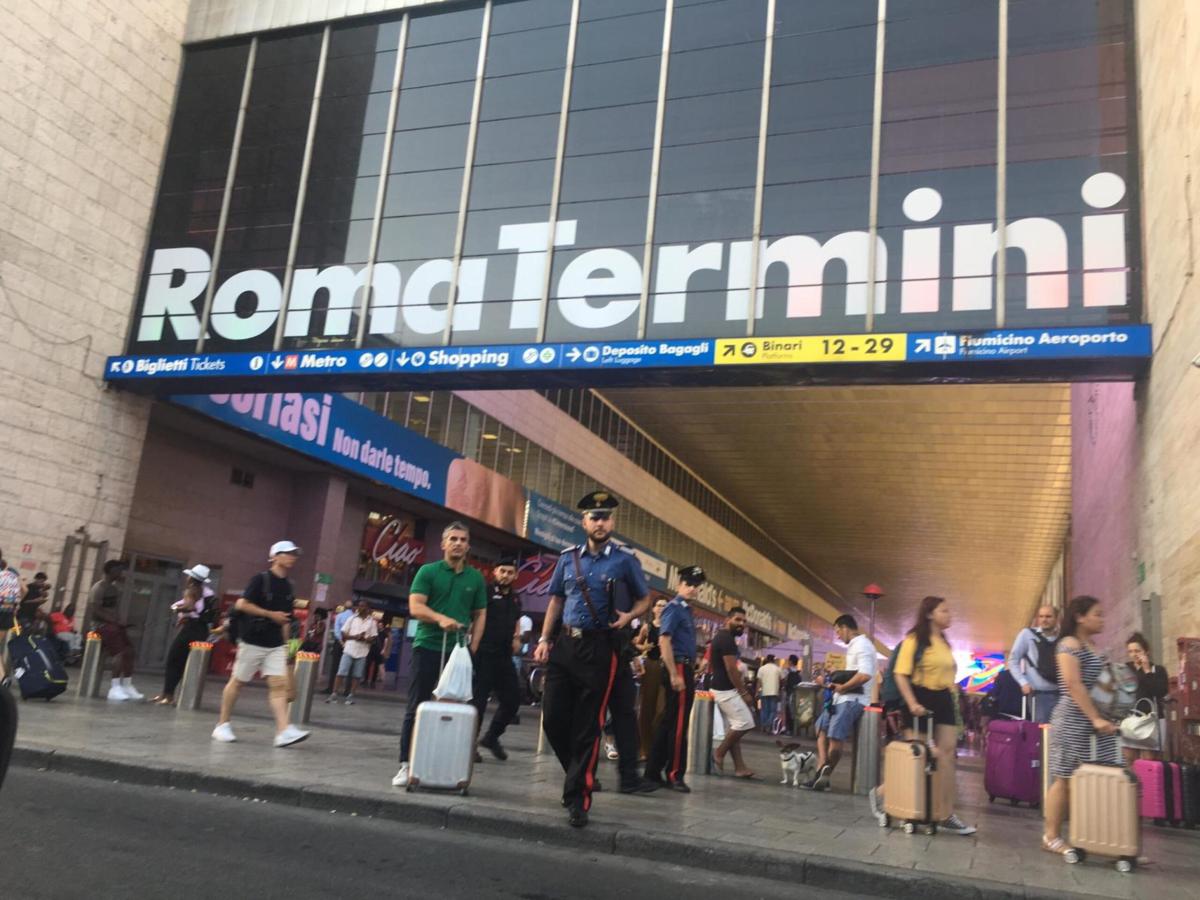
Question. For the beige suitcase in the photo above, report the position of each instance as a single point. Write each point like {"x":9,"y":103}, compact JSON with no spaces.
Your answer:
{"x":913,"y":791}
{"x":1105,"y":814}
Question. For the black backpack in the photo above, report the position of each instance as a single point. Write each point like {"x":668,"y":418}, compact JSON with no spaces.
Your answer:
{"x":1045,"y":656}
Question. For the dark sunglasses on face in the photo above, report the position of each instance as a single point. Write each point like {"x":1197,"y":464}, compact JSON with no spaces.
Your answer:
{"x":599,"y":516}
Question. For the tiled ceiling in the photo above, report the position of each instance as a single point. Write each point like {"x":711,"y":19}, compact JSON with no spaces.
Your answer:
{"x":963,"y":491}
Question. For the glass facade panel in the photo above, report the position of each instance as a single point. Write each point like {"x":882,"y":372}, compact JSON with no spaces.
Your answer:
{"x":1070,"y":114}
{"x":189,"y":200}
{"x":817,"y":179}
{"x":262,"y":208}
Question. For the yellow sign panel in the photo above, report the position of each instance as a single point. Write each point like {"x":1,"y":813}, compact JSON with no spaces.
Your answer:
{"x":817,"y":348}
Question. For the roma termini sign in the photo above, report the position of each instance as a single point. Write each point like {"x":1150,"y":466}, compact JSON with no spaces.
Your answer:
{"x":600,"y":289}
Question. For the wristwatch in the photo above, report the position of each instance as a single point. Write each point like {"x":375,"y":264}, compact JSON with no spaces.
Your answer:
{"x":543,"y":640}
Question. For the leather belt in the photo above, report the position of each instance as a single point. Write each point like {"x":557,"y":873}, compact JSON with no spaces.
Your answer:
{"x":583,"y":632}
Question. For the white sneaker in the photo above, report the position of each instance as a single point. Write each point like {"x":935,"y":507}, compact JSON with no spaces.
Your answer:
{"x":955,"y":825}
{"x":331,"y":698}
{"x":349,"y":701}
{"x":290,"y":735}
{"x":610,"y":750}
{"x":224,"y":733}
{"x":117,"y":693}
{"x":401,"y":778}
{"x":876,"y":810}
{"x":134,"y":693}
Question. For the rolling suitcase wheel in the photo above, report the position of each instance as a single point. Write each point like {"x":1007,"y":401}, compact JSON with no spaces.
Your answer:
{"x":910,"y":828}
{"x":1074,"y":855}
{"x":1125,"y":866}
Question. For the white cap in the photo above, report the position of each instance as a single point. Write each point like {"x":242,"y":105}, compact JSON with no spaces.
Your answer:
{"x":283,"y":547}
{"x":200,"y":572}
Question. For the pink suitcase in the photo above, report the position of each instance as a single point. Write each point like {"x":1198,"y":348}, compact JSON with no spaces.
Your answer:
{"x":1161,"y":790}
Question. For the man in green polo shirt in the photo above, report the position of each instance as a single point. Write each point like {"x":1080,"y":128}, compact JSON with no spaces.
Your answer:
{"x":445,"y":598}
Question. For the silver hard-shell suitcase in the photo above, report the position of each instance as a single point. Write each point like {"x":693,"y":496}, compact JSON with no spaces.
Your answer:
{"x":443,"y":747}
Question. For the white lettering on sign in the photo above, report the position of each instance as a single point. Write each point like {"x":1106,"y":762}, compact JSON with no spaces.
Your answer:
{"x":601,"y":288}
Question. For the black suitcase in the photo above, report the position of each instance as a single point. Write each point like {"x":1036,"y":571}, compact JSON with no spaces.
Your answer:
{"x":8,"y":728}
{"x":1189,"y":777}
{"x":36,"y":667}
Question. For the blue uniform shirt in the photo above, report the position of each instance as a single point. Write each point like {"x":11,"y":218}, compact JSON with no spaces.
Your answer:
{"x":610,"y":564}
{"x":678,"y":625}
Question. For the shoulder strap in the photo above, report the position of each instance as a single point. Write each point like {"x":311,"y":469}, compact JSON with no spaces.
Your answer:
{"x":581,"y":583}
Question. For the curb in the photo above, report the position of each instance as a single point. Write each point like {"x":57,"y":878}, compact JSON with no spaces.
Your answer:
{"x":830,"y":873}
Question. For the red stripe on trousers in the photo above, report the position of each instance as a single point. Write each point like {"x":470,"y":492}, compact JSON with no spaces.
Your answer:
{"x":682,"y":695}
{"x":590,"y":778}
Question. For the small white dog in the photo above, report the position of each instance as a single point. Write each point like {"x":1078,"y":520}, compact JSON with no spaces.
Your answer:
{"x":796,"y":763}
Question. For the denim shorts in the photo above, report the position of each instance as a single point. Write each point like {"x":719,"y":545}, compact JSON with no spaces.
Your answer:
{"x":355,"y":668}
{"x":839,"y":722}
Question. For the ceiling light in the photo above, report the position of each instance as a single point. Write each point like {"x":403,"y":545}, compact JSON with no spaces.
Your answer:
{"x":488,"y":436}
{"x":421,"y":398}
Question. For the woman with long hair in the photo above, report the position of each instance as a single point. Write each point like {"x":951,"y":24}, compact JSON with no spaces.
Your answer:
{"x":194,"y":616}
{"x":925,"y":676}
{"x":1152,"y":687}
{"x":1076,"y":721}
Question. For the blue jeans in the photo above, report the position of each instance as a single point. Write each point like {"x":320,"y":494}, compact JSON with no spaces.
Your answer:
{"x":770,"y":706}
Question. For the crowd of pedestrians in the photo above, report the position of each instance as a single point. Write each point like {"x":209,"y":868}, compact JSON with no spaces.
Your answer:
{"x":591,"y":653}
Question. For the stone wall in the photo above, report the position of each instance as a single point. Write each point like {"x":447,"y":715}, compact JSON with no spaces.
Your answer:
{"x":86,"y":90}
{"x":1168,"y":515}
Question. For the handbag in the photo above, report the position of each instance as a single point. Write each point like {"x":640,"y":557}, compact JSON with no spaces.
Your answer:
{"x":841,"y":676}
{"x":1141,"y":727}
{"x":1115,"y":691}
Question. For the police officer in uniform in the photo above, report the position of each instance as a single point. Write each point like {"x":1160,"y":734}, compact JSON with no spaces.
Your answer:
{"x":494,"y":669}
{"x":582,"y":666}
{"x":677,"y":639}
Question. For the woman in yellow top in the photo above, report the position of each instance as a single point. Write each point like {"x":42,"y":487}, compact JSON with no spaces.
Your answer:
{"x":925,"y":676}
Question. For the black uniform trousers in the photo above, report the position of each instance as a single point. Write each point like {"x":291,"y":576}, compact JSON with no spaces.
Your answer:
{"x":576,"y":693}
{"x":177,"y":656}
{"x":623,"y":709}
{"x":668,"y":759}
{"x":494,"y":671}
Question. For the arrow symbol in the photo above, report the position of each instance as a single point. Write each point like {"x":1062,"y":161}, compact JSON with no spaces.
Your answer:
{"x":402,"y":358}
{"x":924,"y":345}
{"x":573,"y":354}
{"x":728,"y":351}
{"x":276,"y":363}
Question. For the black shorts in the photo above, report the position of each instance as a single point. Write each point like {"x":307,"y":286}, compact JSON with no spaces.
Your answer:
{"x":6,"y":619}
{"x":939,"y":703}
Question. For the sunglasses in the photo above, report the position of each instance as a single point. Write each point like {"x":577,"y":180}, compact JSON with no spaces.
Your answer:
{"x":599,"y":516}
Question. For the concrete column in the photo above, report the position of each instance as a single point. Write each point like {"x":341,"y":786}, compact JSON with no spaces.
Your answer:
{"x":315,"y":523}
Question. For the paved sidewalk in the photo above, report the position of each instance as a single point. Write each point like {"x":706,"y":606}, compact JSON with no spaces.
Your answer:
{"x":825,"y":840}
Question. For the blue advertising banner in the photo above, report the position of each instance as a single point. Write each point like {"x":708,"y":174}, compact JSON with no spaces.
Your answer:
{"x":1107,"y":342}
{"x":338,"y":431}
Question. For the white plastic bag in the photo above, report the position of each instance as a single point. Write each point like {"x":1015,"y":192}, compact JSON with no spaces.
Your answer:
{"x":455,"y":684}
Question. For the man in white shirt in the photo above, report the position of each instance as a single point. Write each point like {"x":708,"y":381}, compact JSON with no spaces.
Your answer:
{"x":358,"y":634}
{"x":851,"y":692}
{"x":769,"y":678}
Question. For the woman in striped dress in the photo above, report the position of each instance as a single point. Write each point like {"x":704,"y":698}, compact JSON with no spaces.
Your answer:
{"x":1076,"y":721}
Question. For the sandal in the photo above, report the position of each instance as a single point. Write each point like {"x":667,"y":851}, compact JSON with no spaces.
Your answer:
{"x":1055,"y":845}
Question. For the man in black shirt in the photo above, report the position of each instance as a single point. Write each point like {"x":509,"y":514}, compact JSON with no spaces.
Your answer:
{"x":263,"y":614}
{"x":730,"y":693}
{"x":494,"y":669}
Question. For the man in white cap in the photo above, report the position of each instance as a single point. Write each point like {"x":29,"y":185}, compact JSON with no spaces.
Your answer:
{"x":260,"y":625}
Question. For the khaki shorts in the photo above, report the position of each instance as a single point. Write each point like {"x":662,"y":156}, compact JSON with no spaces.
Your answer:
{"x":252,"y":658}
{"x":737,"y":715}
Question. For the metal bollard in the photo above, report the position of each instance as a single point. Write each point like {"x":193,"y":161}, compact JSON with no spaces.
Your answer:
{"x":90,"y":668}
{"x":700,"y":735}
{"x":195,"y":674}
{"x":866,"y":750}
{"x":305,"y":681}
{"x":543,"y":746}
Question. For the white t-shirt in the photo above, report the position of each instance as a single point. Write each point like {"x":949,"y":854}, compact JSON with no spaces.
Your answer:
{"x":768,"y":680}
{"x":860,"y":657}
{"x":360,"y":628}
